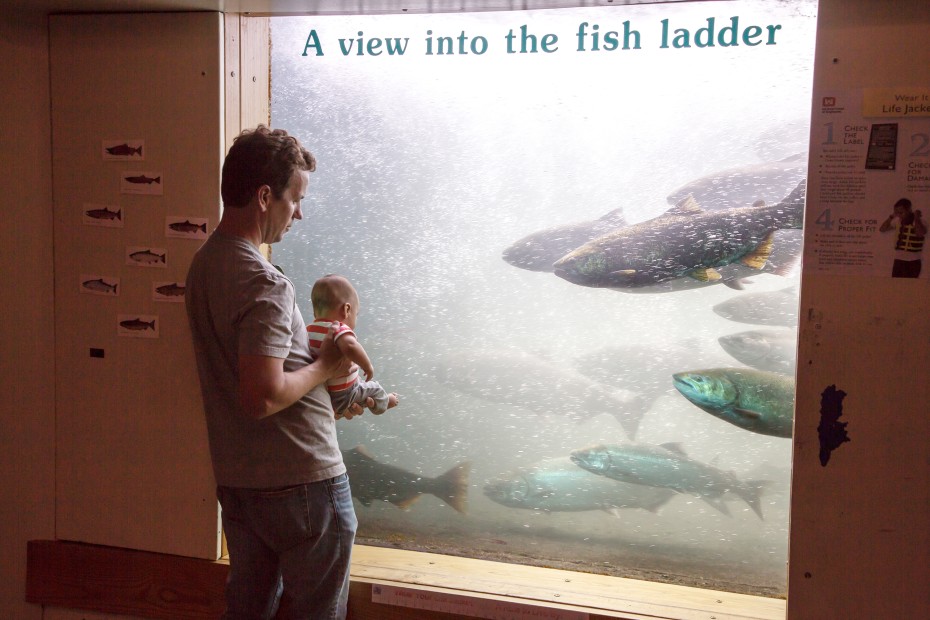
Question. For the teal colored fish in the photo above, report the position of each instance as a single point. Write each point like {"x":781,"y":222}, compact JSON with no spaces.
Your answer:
{"x":684,"y":242}
{"x":559,"y":485}
{"x":756,"y":400}
{"x":667,"y":466}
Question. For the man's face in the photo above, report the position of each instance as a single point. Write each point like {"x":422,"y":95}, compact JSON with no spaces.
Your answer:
{"x":284,"y":210}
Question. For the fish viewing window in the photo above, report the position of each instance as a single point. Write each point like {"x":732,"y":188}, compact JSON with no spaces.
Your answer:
{"x":575,"y":234}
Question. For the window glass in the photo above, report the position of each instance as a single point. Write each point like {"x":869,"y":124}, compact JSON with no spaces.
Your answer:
{"x":575,"y":235}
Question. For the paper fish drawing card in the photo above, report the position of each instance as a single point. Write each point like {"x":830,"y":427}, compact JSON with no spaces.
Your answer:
{"x":137,"y":325}
{"x":168,"y":291}
{"x":94,"y":284}
{"x":186,"y":227}
{"x":123,"y":150}
{"x":132,"y":182}
{"x":146,"y":257}
{"x":108,"y":216}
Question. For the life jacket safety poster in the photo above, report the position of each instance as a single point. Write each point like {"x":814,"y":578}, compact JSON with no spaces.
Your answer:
{"x":868,"y":200}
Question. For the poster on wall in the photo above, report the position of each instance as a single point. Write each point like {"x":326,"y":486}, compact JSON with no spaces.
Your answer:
{"x":870,"y":197}
{"x":148,"y":183}
{"x":137,"y":325}
{"x":107,"y":216}
{"x":123,"y":150}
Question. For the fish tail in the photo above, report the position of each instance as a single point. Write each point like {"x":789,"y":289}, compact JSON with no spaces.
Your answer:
{"x":752,"y":494}
{"x":406,"y":502}
{"x":718,"y":503}
{"x":452,"y":487}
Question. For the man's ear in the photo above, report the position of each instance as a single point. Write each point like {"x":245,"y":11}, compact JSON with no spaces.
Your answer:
{"x":264,"y":195}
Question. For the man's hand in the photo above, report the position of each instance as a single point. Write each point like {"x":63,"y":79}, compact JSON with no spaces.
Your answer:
{"x":356,"y":410}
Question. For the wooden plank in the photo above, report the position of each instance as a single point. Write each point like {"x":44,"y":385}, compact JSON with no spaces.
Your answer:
{"x":123,"y":581}
{"x":111,"y":580}
{"x":255,"y":61}
{"x":232,"y":78}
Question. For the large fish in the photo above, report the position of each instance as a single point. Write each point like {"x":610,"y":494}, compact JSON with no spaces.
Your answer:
{"x":765,"y":349}
{"x":778,"y":308}
{"x":559,"y":485}
{"x":744,"y":185}
{"x":756,"y":400}
{"x":524,"y":381}
{"x":684,"y":242}
{"x":371,"y":480}
{"x":667,"y":466}
{"x":539,"y":250}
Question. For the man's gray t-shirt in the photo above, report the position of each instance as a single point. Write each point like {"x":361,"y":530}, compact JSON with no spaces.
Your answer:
{"x":238,"y":303}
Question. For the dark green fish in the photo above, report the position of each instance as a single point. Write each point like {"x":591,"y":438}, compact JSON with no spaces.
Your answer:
{"x":667,"y":466}
{"x":756,"y":400}
{"x":371,"y":480}
{"x":684,"y":242}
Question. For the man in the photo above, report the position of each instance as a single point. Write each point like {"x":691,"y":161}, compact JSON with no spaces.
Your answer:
{"x":910,"y":240}
{"x":286,"y":504}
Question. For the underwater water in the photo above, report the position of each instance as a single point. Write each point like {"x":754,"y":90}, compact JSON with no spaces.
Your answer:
{"x":434,"y":168}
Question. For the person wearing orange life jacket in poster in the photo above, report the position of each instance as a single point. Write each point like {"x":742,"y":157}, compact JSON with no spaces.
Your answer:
{"x":909,"y":244}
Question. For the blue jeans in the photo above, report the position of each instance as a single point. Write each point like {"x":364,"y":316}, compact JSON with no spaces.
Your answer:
{"x":289,"y":550}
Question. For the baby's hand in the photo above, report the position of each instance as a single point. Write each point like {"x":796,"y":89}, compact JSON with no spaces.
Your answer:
{"x":369,"y":372}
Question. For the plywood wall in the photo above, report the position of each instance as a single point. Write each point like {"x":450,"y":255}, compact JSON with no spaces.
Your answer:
{"x":859,"y":545}
{"x":132,"y":463}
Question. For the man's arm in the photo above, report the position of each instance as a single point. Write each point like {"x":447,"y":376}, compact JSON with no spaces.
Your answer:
{"x":265,"y":388}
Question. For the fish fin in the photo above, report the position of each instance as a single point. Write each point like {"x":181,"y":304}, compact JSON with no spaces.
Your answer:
{"x":406,"y":502}
{"x":614,"y":512}
{"x":623,"y":272}
{"x":758,"y":257}
{"x":718,"y":503}
{"x":705,"y":274}
{"x":751,"y":493}
{"x":615,"y":218}
{"x":674,"y":446}
{"x":362,"y":450}
{"x":452,"y":487}
{"x":737,"y":284}
{"x":654,"y":507}
{"x":748,"y":413}
{"x":759,"y":203}
{"x":686,"y":206}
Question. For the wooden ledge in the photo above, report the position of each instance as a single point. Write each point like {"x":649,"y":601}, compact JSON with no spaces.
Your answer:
{"x":413,"y":586}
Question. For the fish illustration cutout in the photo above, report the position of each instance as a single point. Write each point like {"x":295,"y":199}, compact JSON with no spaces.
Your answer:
{"x":137,"y":324}
{"x":124,"y":150}
{"x":686,"y":241}
{"x":188,"y":227}
{"x":104,"y":214}
{"x":148,"y":257}
{"x":140,"y":179}
{"x":171,"y":290}
{"x":101,"y":286}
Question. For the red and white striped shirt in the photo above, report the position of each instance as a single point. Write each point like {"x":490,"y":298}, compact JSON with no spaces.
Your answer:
{"x":316,"y":333}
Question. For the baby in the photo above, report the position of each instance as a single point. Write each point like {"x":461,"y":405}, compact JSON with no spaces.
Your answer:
{"x":335,"y":303}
